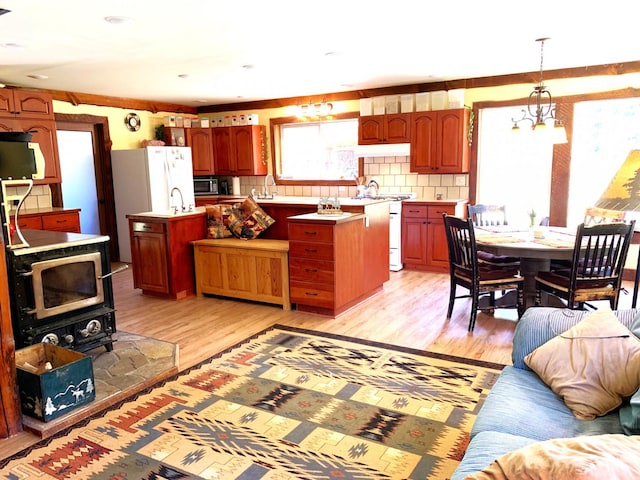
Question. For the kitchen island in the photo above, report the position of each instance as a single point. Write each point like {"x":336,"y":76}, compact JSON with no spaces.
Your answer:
{"x":165,"y":255}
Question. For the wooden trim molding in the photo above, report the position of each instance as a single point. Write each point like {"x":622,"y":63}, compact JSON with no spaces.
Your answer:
{"x":76,"y":98}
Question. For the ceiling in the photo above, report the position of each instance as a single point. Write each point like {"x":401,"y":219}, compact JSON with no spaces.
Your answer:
{"x":208,"y":52}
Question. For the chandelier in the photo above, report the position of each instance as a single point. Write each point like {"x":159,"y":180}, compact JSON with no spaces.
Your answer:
{"x":540,"y":108}
{"x":315,"y":109}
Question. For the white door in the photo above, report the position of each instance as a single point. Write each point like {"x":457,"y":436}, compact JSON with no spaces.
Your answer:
{"x":79,"y":177}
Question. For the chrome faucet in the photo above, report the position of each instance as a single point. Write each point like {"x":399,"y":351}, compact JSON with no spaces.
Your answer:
{"x":266,"y":188}
{"x":175,"y":207}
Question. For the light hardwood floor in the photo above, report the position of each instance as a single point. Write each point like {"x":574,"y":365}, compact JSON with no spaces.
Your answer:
{"x":409,"y":312}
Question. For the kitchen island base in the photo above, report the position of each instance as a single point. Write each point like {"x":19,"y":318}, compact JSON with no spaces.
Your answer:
{"x":255,"y":270}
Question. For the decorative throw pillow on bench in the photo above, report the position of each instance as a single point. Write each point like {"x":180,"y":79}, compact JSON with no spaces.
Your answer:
{"x":242,"y":220}
{"x":593,"y":366}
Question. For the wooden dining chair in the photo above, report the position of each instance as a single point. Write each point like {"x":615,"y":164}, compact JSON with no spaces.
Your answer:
{"x":486,"y":216}
{"x":482,"y":281}
{"x":595,"y":216}
{"x":596,"y":270}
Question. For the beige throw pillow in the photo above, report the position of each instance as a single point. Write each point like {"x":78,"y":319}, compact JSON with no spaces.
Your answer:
{"x":598,"y":457}
{"x":592,"y":366}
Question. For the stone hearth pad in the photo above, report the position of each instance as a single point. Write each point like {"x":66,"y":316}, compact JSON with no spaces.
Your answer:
{"x":135,"y":363}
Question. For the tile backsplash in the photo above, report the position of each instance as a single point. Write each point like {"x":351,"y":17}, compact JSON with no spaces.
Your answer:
{"x":40,"y":196}
{"x":391,"y":173}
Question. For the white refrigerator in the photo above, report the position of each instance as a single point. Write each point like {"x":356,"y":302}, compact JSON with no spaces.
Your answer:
{"x":143,"y":180}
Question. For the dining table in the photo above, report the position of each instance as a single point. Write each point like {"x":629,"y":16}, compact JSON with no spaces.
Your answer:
{"x":536,"y":248}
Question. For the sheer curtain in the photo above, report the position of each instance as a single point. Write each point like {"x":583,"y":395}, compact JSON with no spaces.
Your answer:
{"x":514,"y":169}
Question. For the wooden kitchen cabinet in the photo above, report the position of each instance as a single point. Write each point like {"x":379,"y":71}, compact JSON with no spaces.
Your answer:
{"x":161,"y":253}
{"x":391,"y":128}
{"x":439,"y":142}
{"x":23,"y":111}
{"x":240,"y":150}
{"x":24,"y":103}
{"x":54,"y":219}
{"x":201,"y":142}
{"x":424,"y":244}
{"x":325,"y":261}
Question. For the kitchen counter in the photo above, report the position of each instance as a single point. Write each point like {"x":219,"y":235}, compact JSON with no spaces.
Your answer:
{"x":168,"y":214}
{"x":332,"y":218}
{"x":293,"y":200}
{"x":446,"y":202}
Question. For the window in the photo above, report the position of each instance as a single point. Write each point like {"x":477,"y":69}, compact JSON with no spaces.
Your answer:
{"x":316,"y":150}
{"x":604,"y":132}
{"x":514,"y":169}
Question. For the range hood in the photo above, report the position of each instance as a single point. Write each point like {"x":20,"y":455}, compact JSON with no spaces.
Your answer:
{"x":383,"y":150}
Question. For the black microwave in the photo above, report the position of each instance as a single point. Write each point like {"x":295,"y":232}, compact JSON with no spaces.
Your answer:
{"x":205,"y":186}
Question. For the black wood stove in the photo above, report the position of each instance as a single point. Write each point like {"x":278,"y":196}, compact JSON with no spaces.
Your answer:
{"x":61,"y":291}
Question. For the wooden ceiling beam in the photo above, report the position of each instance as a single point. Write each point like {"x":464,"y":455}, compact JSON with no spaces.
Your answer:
{"x":76,"y":98}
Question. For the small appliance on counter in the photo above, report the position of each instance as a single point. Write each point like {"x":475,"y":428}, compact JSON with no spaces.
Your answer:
{"x":203,"y":186}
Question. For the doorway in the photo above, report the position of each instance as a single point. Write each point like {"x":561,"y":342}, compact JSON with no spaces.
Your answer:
{"x":91,"y":132}
{"x":77,"y":167}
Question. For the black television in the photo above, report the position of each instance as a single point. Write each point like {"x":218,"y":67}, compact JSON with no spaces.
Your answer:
{"x":17,"y":161}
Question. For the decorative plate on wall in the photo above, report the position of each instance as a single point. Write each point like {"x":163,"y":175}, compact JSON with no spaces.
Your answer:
{"x":133,"y":122}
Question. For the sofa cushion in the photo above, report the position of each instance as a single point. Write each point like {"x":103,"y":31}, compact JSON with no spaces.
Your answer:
{"x":484,"y":448}
{"x":538,"y":325}
{"x":592,"y":366}
{"x":581,"y":458}
{"x":630,"y":411}
{"x":521,"y":404}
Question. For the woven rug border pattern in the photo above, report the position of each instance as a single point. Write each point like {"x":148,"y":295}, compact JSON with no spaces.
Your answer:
{"x":85,"y":421}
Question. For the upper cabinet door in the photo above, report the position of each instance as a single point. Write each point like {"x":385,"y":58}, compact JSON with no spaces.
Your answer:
{"x":201,"y":142}
{"x":246,"y":148}
{"x":371,"y":130}
{"x":33,"y":104}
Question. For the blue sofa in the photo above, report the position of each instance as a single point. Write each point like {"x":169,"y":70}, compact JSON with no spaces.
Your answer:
{"x":520,"y":409}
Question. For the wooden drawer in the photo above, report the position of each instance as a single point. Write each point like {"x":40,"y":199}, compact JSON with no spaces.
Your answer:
{"x":317,"y":251}
{"x":311,"y":233}
{"x":436,"y":211}
{"x":414,"y":211}
{"x":308,"y":270}
{"x":64,"y":221}
{"x":312,"y":294}
{"x":33,"y":223}
{"x":148,"y":227}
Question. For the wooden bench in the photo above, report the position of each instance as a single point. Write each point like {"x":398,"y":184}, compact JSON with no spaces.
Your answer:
{"x":249,"y":269}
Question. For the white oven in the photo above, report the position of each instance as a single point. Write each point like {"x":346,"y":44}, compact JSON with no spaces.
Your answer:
{"x":395,"y":237}
{"x":395,"y":228}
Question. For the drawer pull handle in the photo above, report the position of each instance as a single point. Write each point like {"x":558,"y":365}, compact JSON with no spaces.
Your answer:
{"x":414,"y":211}
{"x":311,"y":294}
{"x":311,"y":250}
{"x":310,"y":233}
{"x":311,"y":270}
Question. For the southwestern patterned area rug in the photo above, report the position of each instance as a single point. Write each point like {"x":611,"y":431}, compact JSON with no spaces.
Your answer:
{"x":284,"y":404}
